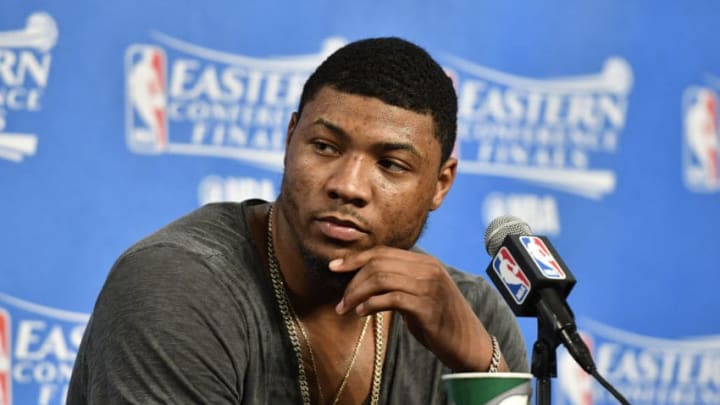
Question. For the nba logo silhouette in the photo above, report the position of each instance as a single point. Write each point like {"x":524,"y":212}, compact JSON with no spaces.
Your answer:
{"x":505,"y":266}
{"x":5,"y":369}
{"x":702,"y":140}
{"x":146,"y":106}
{"x":542,"y":257}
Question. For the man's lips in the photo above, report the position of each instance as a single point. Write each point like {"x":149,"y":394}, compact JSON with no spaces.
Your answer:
{"x":340,"y":228}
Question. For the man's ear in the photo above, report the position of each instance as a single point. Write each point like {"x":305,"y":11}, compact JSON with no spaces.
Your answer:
{"x":294,"y":118}
{"x":288,"y":136}
{"x":445,"y":179}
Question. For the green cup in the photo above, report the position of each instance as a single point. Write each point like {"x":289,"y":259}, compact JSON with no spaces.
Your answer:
{"x":489,"y":388}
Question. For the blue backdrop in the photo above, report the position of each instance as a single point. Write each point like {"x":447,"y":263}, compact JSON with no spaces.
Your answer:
{"x":595,"y":122}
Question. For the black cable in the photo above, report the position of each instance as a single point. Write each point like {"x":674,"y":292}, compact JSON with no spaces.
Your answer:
{"x":609,"y":387}
{"x":581,"y":353}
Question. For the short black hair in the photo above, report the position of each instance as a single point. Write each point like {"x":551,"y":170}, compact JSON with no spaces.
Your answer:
{"x":397,"y":72}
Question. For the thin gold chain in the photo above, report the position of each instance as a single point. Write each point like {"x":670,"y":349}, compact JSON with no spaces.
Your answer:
{"x":312,"y":356}
{"x":313,"y":363}
{"x":292,"y":323}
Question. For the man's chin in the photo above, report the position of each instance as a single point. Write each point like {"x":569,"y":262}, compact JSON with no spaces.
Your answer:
{"x":320,"y":272}
{"x":335,"y":282}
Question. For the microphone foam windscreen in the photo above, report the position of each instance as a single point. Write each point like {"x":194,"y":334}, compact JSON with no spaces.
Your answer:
{"x":501,"y":227}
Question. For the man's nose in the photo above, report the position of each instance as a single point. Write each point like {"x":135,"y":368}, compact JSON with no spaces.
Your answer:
{"x":350,"y":181}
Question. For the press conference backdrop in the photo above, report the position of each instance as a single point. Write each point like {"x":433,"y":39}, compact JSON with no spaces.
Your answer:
{"x":596,"y":122}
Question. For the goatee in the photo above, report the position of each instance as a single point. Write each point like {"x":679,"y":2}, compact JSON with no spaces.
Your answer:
{"x":321,"y":274}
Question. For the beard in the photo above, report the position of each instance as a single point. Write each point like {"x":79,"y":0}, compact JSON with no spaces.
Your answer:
{"x":320,"y":273}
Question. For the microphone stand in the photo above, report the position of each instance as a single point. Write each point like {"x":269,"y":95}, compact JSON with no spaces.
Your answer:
{"x":555,"y":326}
{"x":554,"y":320}
{"x":544,"y":361}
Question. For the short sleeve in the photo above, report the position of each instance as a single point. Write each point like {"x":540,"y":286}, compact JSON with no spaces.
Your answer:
{"x":163,"y":330}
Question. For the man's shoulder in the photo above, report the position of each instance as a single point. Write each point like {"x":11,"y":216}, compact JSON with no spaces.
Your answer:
{"x":210,"y":247}
{"x":209,"y":230}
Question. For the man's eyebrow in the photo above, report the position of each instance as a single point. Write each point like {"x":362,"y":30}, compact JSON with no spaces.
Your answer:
{"x":334,"y":128}
{"x":391,"y":146}
{"x":383,"y":146}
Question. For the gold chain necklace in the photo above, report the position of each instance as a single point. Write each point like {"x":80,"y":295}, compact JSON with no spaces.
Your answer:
{"x":292,"y":324}
{"x":313,"y":363}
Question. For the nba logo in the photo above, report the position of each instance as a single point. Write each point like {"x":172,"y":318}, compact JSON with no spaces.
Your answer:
{"x":542,"y":257}
{"x":702,"y":140}
{"x":505,"y":266}
{"x":146,"y":106}
{"x":5,"y":369}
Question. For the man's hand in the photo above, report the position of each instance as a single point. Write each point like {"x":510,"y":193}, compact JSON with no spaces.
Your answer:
{"x":418,"y":287}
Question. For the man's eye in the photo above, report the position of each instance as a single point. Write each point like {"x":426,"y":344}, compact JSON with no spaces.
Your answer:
{"x":392,"y":165}
{"x":324,"y":147}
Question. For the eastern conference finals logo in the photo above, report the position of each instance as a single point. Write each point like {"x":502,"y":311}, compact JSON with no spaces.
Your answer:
{"x":25,"y":60}
{"x":558,"y":133}
{"x":646,"y":370}
{"x":38,"y":345}
{"x":205,"y":102}
{"x":183,"y":98}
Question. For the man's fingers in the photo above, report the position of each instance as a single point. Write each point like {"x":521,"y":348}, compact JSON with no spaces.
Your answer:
{"x":377,"y":283}
{"x":402,"y":302}
{"x":339,"y":265}
{"x":355,"y":261}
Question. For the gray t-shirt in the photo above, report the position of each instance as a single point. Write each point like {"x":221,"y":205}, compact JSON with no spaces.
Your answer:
{"x":188,"y":316}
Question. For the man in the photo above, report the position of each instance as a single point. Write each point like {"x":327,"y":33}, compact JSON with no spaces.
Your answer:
{"x":320,"y":297}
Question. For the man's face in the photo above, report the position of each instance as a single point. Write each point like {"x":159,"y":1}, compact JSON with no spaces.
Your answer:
{"x":360,"y":173}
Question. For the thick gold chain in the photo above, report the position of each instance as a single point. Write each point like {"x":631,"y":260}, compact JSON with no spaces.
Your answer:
{"x":293,"y":324}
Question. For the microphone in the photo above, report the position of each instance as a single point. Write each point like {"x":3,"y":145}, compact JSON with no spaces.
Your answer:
{"x":534,"y":281}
